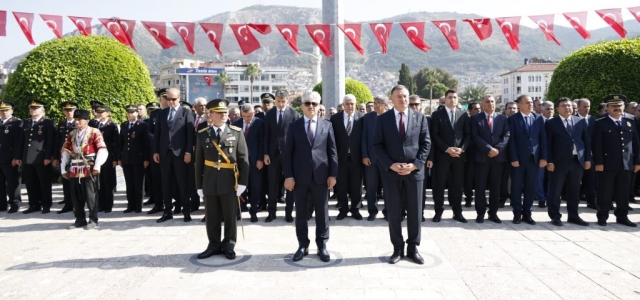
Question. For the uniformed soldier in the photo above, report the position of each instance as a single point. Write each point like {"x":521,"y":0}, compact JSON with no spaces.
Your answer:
{"x":109,"y":132}
{"x":95,"y":121}
{"x":64,"y":128}
{"x":10,"y":131}
{"x":222,"y":173}
{"x":83,"y":154}
{"x":616,"y":153}
{"x":154,"y":193}
{"x":191,"y":181}
{"x":134,"y":157}
{"x":36,"y":153}
{"x":268,"y":100}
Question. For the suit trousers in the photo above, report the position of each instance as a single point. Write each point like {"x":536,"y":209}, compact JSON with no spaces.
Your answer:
{"x":588,"y":188}
{"x":523,"y":180}
{"x":320,"y":197}
{"x":373,"y":182}
{"x":216,"y":207}
{"x":83,"y":190}
{"x":449,"y":168}
{"x":174,"y":182}
{"x":613,"y":185}
{"x":134,"y":179}
{"x":66,"y":192}
{"x":469,"y":180}
{"x":37,"y":179}
{"x":505,"y":184}
{"x":349,"y":182}
{"x":488,"y":173}
{"x":276,"y":184}
{"x":9,"y":186}
{"x":567,"y":177}
{"x":399,"y":193}
{"x":156,"y":184}
{"x":192,"y":193}
{"x":542,"y":185}
{"x":254,"y":189}
{"x":107,"y":184}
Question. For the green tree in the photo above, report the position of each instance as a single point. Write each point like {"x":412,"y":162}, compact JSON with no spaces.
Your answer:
{"x":595,"y":71}
{"x":252,"y":71}
{"x":81,"y":69}
{"x":406,"y":79}
{"x":223,"y":79}
{"x":473,"y":93}
{"x":430,"y":76}
{"x":352,"y":86}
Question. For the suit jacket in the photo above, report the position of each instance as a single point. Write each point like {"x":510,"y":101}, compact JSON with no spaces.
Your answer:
{"x":560,"y":143}
{"x":348,"y":144}
{"x":151,"y":121}
{"x":368,"y":132}
{"x":64,"y":128}
{"x":305,"y":162}
{"x":616,"y":149}
{"x":444,"y":135}
{"x":112,"y":138}
{"x":484,"y":139}
{"x":525,"y":142}
{"x":134,"y":144}
{"x":255,"y":139}
{"x":37,"y":142}
{"x":260,"y":115}
{"x":391,"y":149}
{"x":10,"y":133}
{"x":275,"y":135}
{"x":179,"y":138}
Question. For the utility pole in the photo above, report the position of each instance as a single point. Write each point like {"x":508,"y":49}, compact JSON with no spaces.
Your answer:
{"x":333,"y":67}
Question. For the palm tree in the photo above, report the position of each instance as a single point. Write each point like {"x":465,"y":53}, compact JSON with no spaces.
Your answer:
{"x":473,"y":93}
{"x":431,"y":77}
{"x":252,"y":71}
{"x":223,"y":78}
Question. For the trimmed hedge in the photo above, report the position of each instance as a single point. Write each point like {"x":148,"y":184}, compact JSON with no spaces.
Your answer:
{"x":352,"y":86}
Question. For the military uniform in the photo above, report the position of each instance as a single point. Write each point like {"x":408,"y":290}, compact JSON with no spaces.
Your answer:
{"x":132,"y":154}
{"x":156,"y":171}
{"x":108,"y":182}
{"x":95,"y":121}
{"x":64,"y":128}
{"x":221,"y":172}
{"x":151,"y":174}
{"x":10,"y":131}
{"x":191,"y":181}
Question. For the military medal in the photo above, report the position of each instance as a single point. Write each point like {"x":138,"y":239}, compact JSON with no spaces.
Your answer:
{"x":6,"y":130}
{"x":133,"y":135}
{"x":628,"y":124}
{"x":39,"y":132}
{"x":230,"y":150}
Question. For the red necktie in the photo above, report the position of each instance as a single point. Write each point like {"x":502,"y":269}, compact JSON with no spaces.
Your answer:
{"x":198,"y":121}
{"x":401,"y":127}
{"x":489,"y":123}
{"x":246,"y":130}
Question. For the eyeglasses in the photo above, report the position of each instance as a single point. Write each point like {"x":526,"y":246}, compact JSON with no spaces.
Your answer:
{"x":321,"y":109}
{"x":172,"y":99}
{"x":308,"y":104}
{"x":414,"y":104}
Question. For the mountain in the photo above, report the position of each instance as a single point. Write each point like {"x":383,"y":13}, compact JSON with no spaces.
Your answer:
{"x":489,"y":56}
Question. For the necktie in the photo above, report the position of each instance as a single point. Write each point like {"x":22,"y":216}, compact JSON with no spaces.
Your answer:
{"x":453,"y":117}
{"x":33,"y":123}
{"x":172,"y":114}
{"x":401,"y":127}
{"x":619,"y":125}
{"x":527,"y":122}
{"x":246,"y":129}
{"x":489,"y":123}
{"x":349,"y":126}
{"x":100,"y":125}
{"x":130,"y":126}
{"x":310,"y":133}
{"x":198,"y":121}
{"x":218,"y":135}
{"x":569,"y":127}
{"x":1,"y":122}
{"x":280,"y":119}
{"x":69,"y":124}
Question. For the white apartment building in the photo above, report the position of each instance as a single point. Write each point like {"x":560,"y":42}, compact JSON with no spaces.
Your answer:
{"x":4,"y":76}
{"x":532,"y":79}
{"x":495,"y":88}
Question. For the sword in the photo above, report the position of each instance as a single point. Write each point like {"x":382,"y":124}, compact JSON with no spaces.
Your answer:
{"x":86,"y":165}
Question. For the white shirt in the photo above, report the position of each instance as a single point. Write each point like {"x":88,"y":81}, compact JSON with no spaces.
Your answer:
{"x":346,"y":119}
{"x":404,"y":119}
{"x":314,"y":125}
{"x":215,"y":129}
{"x":616,"y":120}
{"x":566,"y":121}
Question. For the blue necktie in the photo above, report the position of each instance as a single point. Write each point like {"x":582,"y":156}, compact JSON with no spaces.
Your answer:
{"x":172,"y":114}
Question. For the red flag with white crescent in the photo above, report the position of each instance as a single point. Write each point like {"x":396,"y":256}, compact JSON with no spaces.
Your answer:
{"x":578,"y":21}
{"x":613,"y":17}
{"x":354,"y":34}
{"x":214,"y":33}
{"x":128,"y":26}
{"x":116,"y":30}
{"x":187,"y":31}
{"x":83,"y":24}
{"x":482,"y":27}
{"x":290,"y":34}
{"x":3,"y":23}
{"x":415,"y":32}
{"x":381,"y":31}
{"x":511,"y":29}
{"x":246,"y":40}
{"x":635,"y":11}
{"x":54,"y":22}
{"x":545,"y":22}
{"x":207,"y":78}
{"x":448,"y":28}
{"x":159,"y":32}
{"x":261,"y":28}
{"x":321,"y":35}
{"x":25,"y":21}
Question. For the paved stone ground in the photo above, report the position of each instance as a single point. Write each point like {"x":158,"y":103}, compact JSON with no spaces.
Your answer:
{"x":132,"y":257}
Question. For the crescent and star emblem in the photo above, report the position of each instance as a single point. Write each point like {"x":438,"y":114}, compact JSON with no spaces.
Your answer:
{"x":24,"y":21}
{"x":318,"y":31}
{"x":51,"y":24}
{"x":610,"y":16}
{"x":185,"y":29}
{"x":413,"y":29}
{"x":154,"y":31}
{"x":240,"y":32}
{"x":350,"y":30}
{"x":543,"y":24}
{"x":125,"y":26}
{"x":447,"y":26}
{"x":507,"y":24}
{"x":212,"y":35}
{"x":117,"y":28}
{"x":287,"y":30}
{"x":384,"y":30}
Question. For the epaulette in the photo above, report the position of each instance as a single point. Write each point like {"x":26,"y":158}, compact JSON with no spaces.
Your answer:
{"x":203,"y":129}
{"x":628,"y":116}
{"x":235,"y":128}
{"x":600,"y":118}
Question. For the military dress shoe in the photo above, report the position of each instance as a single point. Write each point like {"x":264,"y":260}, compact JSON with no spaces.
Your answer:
{"x":460,"y":218}
{"x":602,"y":222}
{"x":578,"y":221}
{"x":528,"y":220}
{"x":300,"y":254}
{"x":46,"y":210}
{"x":495,"y":219}
{"x":64,"y":210}
{"x":324,"y":255}
{"x":437,"y":217}
{"x":78,"y":224}
{"x":137,"y":211}
{"x":542,"y":204}
{"x":592,"y":206}
{"x":229,"y":254}
{"x":416,"y":257}
{"x":397,"y":255}
{"x":468,"y":202}
{"x":356,"y":215}
{"x":154,"y":210}
{"x":14,"y":208}
{"x":502,"y":203}
{"x":626,"y":222}
{"x":31,"y":209}
{"x":208,"y":253}
{"x":270,"y":218}
{"x":187,"y":218}
{"x":149,"y":202}
{"x":254,"y":218}
{"x":516,"y":219}
{"x":288,"y":218}
{"x":341,"y":216}
{"x":107,"y":211}
{"x":165,"y":217}
{"x":556,"y":222}
{"x":480,"y":219}
{"x":371,"y":217}
{"x":128,"y":210}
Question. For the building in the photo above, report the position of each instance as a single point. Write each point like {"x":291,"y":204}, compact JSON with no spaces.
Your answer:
{"x":495,"y":88}
{"x":4,"y":75}
{"x":531,"y":79}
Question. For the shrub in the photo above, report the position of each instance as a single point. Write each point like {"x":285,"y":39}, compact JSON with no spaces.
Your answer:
{"x":352,"y":86}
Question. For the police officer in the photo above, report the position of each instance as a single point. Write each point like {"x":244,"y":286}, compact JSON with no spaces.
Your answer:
{"x":36,"y":153}
{"x":268,"y":100}
{"x":10,"y":131}
{"x":616,"y":154}
{"x":156,"y":178}
{"x":96,"y":120}
{"x":222,"y":172}
{"x":133,"y":157}
{"x":64,"y":128}
{"x":191,"y":187}
{"x":109,"y":132}
{"x":149,"y":183}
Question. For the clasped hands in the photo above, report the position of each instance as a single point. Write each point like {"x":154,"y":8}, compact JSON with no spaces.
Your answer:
{"x":403,"y":169}
{"x":454,"y":151}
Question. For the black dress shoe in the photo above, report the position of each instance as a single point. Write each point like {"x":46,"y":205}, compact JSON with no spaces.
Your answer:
{"x":137,"y":211}
{"x":356,"y":215}
{"x":341,"y":216}
{"x":187,"y":218}
{"x":254,"y":218}
{"x":288,"y":218}
{"x":155,"y":210}
{"x":416,"y":257}
{"x":437,"y":217}
{"x":64,"y":210}
{"x":542,"y":204}
{"x":14,"y":208}
{"x":626,"y":222}
{"x":396,"y":256}
{"x":128,"y":210}
{"x":578,"y":221}
{"x":592,"y":206}
{"x":46,"y":210}
{"x":300,"y":254}
{"x":60,"y":202}
{"x":602,"y":222}
{"x":148,"y":202}
{"x":107,"y":211}
{"x":495,"y":219}
{"x":324,"y":255}
{"x":165,"y":217}
{"x":501,"y":204}
{"x":480,"y":219}
{"x":529,"y":220}
{"x":208,"y":253}
{"x":78,"y":224}
{"x":556,"y":222}
{"x":230,"y":254}
{"x":270,"y":218}
{"x":371,"y":217}
{"x":204,"y":219}
{"x":516,"y":219}
{"x":460,"y":218}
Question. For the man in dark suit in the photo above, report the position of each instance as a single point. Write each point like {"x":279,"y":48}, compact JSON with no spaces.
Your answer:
{"x":152,"y":176}
{"x":542,"y":184}
{"x":469,"y":165}
{"x":133,"y":157}
{"x":402,"y":146}
{"x":64,"y":128}
{"x":310,"y":169}
{"x":569,"y":153}
{"x":369,"y":158}
{"x":10,"y":132}
{"x":347,"y":127}
{"x":111,"y":137}
{"x":277,"y":122}
{"x":490,"y":133}
{"x":253,"y":131}
{"x":505,"y":187}
{"x":173,"y":144}
{"x":588,"y":187}
{"x":450,"y":136}
{"x":527,"y":153}
{"x":267,"y":103}
{"x":616,"y":154}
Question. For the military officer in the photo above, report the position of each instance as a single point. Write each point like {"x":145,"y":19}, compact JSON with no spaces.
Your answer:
{"x":149,"y":176}
{"x":96,"y":120}
{"x":156,"y":192}
{"x":191,"y":187}
{"x":109,"y":132}
{"x":222,"y":173}
{"x":133,"y":157}
{"x":268,"y":101}
{"x":10,"y":131}
{"x":616,"y":154}
{"x":64,"y":128}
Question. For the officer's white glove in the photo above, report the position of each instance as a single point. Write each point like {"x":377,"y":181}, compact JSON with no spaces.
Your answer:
{"x":200,"y":193}
{"x":241,"y":189}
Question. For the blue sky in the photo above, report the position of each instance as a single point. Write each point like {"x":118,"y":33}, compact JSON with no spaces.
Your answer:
{"x":357,"y":10}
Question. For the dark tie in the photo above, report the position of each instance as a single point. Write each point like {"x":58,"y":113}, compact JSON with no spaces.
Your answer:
{"x":569,"y":127}
{"x":69,"y":124}
{"x":401,"y":127}
{"x":528,"y":123}
{"x":619,"y":124}
{"x":1,"y":122}
{"x":130,"y":126}
{"x":100,"y":125}
{"x":349,"y":126}
{"x":453,"y":117}
{"x":246,"y":129}
{"x":280,"y":120}
{"x":489,"y":123}
{"x":310,"y":133}
{"x":172,"y":114}
{"x":218,"y":135}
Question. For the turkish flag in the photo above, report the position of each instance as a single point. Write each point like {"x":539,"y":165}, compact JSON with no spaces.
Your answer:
{"x":187,"y":31}
{"x":635,"y":11}
{"x":545,"y":22}
{"x":128,"y":26}
{"x":246,"y":40}
{"x":83,"y":24}
{"x":613,"y":17}
{"x":261,"y":28}
{"x":415,"y":32}
{"x":354,"y":33}
{"x":214,"y":33}
{"x":116,"y":30}
{"x":3,"y":23}
{"x":511,"y":30}
{"x":578,"y":21}
{"x":290,"y":34}
{"x":207,"y":78}
{"x":159,"y":32}
{"x":54,"y":22}
{"x":448,"y":28}
{"x":25,"y":20}
{"x":321,"y":35}
{"x":381,"y":31}
{"x":482,"y":27}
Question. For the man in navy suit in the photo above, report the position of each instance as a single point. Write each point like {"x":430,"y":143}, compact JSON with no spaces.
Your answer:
{"x":527,"y":153}
{"x":402,"y":146}
{"x":277,"y":122}
{"x":253,"y":130}
{"x":369,"y":159}
{"x":588,"y":187}
{"x":173,"y":146}
{"x":490,"y":134}
{"x":310,"y":169}
{"x":569,"y":153}
{"x":469,"y":166}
